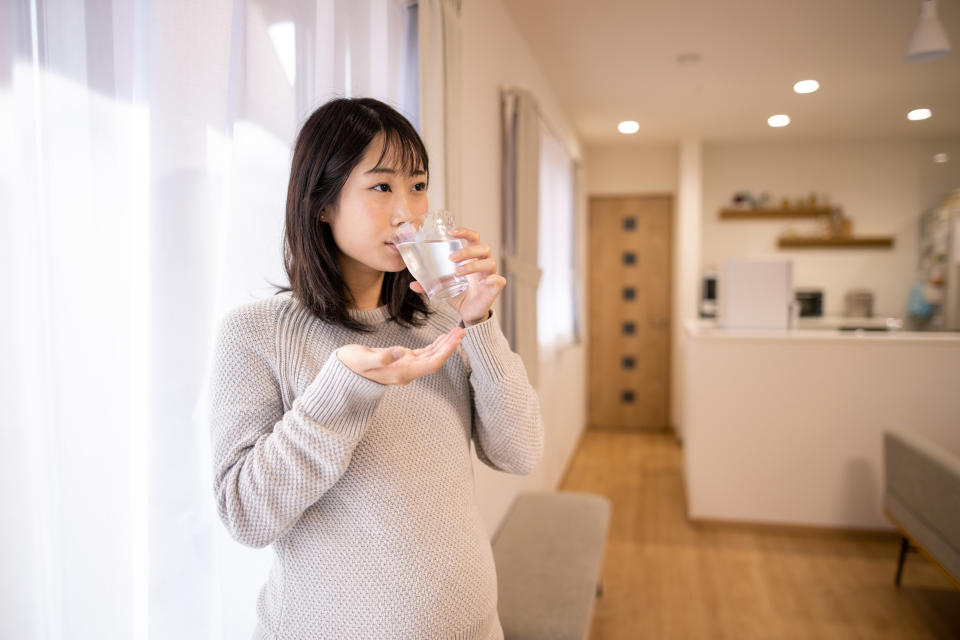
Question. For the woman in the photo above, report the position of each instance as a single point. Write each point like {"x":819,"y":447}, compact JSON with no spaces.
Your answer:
{"x":341,"y":418}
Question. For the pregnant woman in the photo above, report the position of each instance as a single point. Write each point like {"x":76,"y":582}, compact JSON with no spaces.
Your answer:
{"x":343,"y":408}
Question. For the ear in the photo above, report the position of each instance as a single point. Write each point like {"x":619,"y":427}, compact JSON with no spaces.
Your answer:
{"x":328,"y":213}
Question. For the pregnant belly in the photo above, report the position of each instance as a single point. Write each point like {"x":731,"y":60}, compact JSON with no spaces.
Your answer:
{"x":430,"y":584}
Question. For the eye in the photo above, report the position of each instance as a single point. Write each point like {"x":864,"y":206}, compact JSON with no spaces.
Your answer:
{"x":383,"y":187}
{"x":420,"y":186}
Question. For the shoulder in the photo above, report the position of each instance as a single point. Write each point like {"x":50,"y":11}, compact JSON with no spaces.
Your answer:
{"x":254,"y":323}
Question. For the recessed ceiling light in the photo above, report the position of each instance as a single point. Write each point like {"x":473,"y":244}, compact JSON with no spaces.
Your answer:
{"x":779,"y":120}
{"x":806,"y":86}
{"x":940,"y":158}
{"x":919,"y":114}
{"x":628,"y":126}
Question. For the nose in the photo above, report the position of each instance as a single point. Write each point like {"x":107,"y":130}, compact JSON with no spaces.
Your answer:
{"x":404,"y":210}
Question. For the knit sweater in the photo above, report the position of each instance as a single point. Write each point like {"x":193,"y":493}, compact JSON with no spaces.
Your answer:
{"x":365,"y":491}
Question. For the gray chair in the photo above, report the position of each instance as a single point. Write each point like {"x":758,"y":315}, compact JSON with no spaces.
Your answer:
{"x":922,"y":499}
{"x":549,"y":554}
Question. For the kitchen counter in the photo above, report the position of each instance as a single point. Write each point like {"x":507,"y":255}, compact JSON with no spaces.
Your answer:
{"x":821,"y":329}
{"x":786,"y":426}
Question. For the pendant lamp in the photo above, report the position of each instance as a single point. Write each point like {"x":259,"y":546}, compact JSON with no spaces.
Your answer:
{"x":929,"y":41}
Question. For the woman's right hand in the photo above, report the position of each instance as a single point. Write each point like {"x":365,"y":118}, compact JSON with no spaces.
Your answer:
{"x":399,"y":365}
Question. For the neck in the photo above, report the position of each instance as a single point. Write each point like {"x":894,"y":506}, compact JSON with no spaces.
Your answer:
{"x":363,"y":284}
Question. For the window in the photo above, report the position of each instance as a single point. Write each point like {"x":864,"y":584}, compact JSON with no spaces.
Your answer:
{"x":148,"y":151}
{"x":555,"y":297}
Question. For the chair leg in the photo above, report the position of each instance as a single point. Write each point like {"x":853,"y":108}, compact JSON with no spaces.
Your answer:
{"x":904,"y":548}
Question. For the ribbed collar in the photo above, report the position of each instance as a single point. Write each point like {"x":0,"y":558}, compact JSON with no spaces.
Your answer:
{"x":371,"y":316}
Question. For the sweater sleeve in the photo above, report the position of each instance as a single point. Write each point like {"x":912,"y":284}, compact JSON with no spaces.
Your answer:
{"x":507,"y":428}
{"x":271,"y":465}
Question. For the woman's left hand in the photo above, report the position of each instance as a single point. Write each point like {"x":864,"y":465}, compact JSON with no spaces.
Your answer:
{"x":475,"y":303}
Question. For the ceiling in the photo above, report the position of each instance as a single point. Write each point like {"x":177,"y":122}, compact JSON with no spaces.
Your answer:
{"x":613,"y":60}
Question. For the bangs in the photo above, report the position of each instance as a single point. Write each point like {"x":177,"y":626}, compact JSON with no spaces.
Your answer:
{"x":402,"y":153}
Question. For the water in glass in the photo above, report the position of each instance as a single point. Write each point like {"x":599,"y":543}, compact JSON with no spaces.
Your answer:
{"x":429,"y":262}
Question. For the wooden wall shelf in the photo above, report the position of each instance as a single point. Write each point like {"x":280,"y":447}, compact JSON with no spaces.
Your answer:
{"x":802,"y":242}
{"x":774,"y":214}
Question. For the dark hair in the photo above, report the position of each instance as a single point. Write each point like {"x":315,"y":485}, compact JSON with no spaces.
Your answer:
{"x":329,"y":145}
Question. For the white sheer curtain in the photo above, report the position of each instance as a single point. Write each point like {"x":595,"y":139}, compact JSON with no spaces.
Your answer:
{"x":439,"y":25}
{"x":144,"y":151}
{"x":556,"y":309}
{"x":521,"y":215}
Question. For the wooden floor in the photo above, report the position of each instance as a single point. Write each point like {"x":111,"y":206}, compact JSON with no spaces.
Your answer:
{"x":665,"y":577}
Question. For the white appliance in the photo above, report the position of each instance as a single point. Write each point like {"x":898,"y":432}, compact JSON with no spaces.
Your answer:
{"x":756,"y":294}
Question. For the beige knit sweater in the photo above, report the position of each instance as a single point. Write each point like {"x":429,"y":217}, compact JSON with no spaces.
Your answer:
{"x":365,"y":491}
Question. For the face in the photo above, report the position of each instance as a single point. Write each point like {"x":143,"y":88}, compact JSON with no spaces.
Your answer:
{"x":375,"y":200}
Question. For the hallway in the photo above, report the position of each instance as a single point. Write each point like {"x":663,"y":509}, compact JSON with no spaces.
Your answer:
{"x":666,"y":578}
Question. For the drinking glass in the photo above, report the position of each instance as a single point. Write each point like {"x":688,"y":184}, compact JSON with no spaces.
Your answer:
{"x":425,"y":244}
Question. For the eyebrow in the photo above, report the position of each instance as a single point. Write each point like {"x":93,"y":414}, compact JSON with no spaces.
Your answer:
{"x":420,"y":172}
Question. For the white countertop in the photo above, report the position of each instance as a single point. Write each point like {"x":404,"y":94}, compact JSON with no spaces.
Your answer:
{"x":821,"y":329}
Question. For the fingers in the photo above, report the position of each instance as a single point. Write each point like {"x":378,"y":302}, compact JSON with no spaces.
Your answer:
{"x":443,"y":348}
{"x":447,"y":342}
{"x":474,"y":259}
{"x":430,"y":347}
{"x":416,"y":286}
{"x":495,"y":281}
{"x":398,"y":364}
{"x":444,"y":345}
{"x":424,"y":353}
{"x":478,"y":251}
{"x":483,"y":267}
{"x":435,"y":355}
{"x":471,"y":236}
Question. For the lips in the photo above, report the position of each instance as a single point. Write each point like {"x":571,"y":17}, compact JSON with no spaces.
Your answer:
{"x":392,"y":246}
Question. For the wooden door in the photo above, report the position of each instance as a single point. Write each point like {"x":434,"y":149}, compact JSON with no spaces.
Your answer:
{"x":629,"y":309}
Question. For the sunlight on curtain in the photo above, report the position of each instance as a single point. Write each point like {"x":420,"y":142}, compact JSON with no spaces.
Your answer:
{"x":75,"y":429}
{"x":555,"y":300}
{"x":144,"y":158}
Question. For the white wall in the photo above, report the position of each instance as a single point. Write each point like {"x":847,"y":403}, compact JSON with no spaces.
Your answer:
{"x":494,"y":54}
{"x":882,"y":185}
{"x":687,"y":236}
{"x":634,"y":169}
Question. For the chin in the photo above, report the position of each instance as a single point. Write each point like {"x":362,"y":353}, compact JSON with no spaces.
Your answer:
{"x":395,"y":265}
{"x":388,"y":267}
